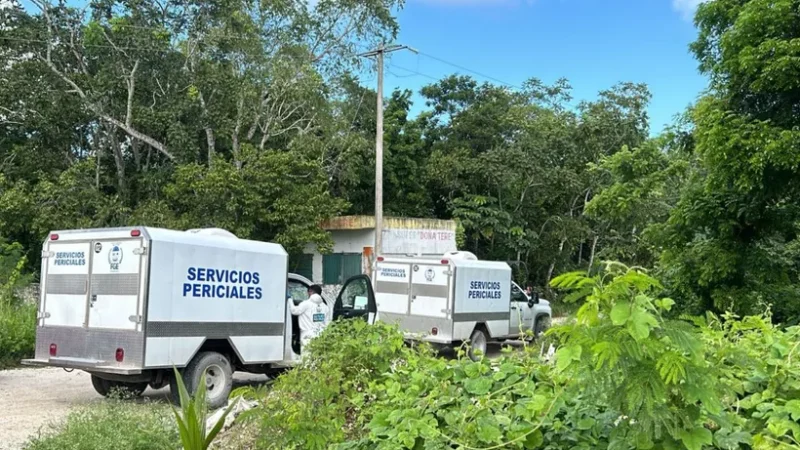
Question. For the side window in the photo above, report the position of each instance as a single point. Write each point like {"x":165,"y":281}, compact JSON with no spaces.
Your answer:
{"x":298,"y":291}
{"x":355,"y":295}
{"x":516,"y":293}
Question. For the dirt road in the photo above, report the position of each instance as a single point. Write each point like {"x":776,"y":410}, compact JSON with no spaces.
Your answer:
{"x":31,"y":400}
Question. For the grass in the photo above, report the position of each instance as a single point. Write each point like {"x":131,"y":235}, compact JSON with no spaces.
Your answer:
{"x":17,"y":332}
{"x":113,"y":425}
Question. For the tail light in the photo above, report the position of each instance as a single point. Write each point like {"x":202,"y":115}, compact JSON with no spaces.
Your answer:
{"x":434,"y":331}
{"x":54,"y":237}
{"x":444,"y":261}
{"x":120,"y":354}
{"x":53,"y":349}
{"x":136,"y":233}
{"x":380,"y":258}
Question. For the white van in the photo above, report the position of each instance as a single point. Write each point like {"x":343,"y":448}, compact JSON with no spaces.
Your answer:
{"x":456,"y":298}
{"x":129,"y":304}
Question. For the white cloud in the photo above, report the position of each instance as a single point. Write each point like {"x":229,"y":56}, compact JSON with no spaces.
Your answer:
{"x":686,"y":7}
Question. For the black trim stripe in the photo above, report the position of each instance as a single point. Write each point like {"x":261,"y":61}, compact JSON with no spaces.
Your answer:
{"x":213,"y":330}
{"x":480,"y":317}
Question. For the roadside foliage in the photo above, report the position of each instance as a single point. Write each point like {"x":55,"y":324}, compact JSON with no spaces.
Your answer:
{"x":625,"y":376}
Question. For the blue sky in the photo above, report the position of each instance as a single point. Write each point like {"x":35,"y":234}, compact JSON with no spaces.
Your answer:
{"x":592,"y":43}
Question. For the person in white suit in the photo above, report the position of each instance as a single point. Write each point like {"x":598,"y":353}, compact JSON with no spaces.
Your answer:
{"x":312,"y":316}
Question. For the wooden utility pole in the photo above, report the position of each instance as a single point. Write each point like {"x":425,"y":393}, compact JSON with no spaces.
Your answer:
{"x":378,"y":53}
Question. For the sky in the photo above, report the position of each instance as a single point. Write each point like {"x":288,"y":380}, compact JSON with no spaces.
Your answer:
{"x":593,"y":43}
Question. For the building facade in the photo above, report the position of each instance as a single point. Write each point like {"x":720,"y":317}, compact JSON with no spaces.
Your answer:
{"x":354,"y":242}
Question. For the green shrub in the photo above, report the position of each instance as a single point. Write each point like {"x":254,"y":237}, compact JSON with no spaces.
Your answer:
{"x":17,"y":332}
{"x":320,"y":402}
{"x":114,"y":425}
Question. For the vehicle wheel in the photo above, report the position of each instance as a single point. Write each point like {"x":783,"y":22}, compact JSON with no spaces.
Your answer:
{"x":477,"y":344}
{"x":542,"y":324}
{"x":219,"y":378}
{"x":100,"y":385}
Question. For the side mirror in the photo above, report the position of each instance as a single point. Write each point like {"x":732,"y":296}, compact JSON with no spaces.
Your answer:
{"x":534,"y":300}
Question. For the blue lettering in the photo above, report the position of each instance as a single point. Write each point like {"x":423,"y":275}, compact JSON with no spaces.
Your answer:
{"x":221,"y":291}
{"x":201,"y":274}
{"x":210,"y":275}
{"x":186,"y":288}
{"x":221,"y":274}
{"x":196,"y":290}
{"x":250,"y":292}
{"x":247,"y":278}
{"x":234,"y":293}
{"x":192,"y":275}
{"x":255,"y":279}
{"x":207,"y":290}
{"x":234,"y":279}
{"x":258,"y":293}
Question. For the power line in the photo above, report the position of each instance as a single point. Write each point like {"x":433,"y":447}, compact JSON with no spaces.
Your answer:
{"x":469,"y":70}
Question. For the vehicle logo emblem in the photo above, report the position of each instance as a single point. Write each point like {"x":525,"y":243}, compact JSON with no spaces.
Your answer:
{"x":97,"y":247}
{"x":115,"y":257}
{"x":429,"y":274}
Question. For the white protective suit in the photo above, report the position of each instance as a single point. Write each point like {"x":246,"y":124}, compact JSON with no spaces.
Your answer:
{"x":312,"y":315}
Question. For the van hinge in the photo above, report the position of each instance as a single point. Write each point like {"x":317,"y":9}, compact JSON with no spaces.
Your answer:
{"x":43,"y":315}
{"x":46,"y":254}
{"x":448,"y":272}
{"x":135,"y":319}
{"x":140,"y":251}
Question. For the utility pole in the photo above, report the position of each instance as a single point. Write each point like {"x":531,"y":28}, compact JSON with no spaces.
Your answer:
{"x":378,"y":53}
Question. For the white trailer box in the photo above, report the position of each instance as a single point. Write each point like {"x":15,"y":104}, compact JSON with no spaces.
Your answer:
{"x":129,"y":304}
{"x":454,"y":299}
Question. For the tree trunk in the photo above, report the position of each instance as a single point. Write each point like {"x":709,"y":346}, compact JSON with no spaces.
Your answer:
{"x":119,"y":160}
{"x":591,"y":255}
{"x":553,"y":264}
{"x":237,"y":160}
{"x":580,"y":253}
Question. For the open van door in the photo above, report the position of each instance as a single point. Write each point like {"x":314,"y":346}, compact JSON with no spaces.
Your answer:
{"x":356,"y":300}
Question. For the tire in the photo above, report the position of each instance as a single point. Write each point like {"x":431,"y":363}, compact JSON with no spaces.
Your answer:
{"x":219,"y":378}
{"x":107,"y":387}
{"x":477,"y":344}
{"x":542,"y":324}
{"x":100,"y":385}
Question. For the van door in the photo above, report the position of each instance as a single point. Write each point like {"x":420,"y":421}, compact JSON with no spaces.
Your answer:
{"x":115,"y":282}
{"x":66,"y":283}
{"x":356,"y":300}
{"x":430,"y":288}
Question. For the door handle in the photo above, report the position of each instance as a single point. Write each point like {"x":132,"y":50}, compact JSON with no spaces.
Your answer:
{"x":93,"y":299}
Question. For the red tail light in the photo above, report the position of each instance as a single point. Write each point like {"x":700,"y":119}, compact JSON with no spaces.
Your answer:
{"x":53,"y":237}
{"x":136,"y":233}
{"x":444,"y":261}
{"x":380,"y":258}
{"x":120,"y":354}
{"x":53,"y":349}
{"x":434,"y":331}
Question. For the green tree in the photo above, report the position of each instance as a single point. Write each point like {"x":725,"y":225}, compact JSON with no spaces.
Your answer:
{"x":732,"y":240}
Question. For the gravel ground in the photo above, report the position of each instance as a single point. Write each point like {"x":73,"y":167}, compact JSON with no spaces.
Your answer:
{"x":32,"y":400}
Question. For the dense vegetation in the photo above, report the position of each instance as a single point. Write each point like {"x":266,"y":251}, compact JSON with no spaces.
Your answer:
{"x":625,"y":376}
{"x":17,"y":318}
{"x":250,"y":116}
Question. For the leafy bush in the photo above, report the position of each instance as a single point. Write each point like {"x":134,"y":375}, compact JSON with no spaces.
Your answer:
{"x":321,"y":402}
{"x":17,"y":319}
{"x":113,"y":425}
{"x":17,"y":332}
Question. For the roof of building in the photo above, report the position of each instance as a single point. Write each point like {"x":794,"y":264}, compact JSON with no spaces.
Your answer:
{"x":365,"y":222}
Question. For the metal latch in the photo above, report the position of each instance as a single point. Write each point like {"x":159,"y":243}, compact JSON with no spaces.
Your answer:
{"x":46,"y":254}
{"x":43,"y":315}
{"x":135,"y":319}
{"x":140,"y":251}
{"x":448,"y":272}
